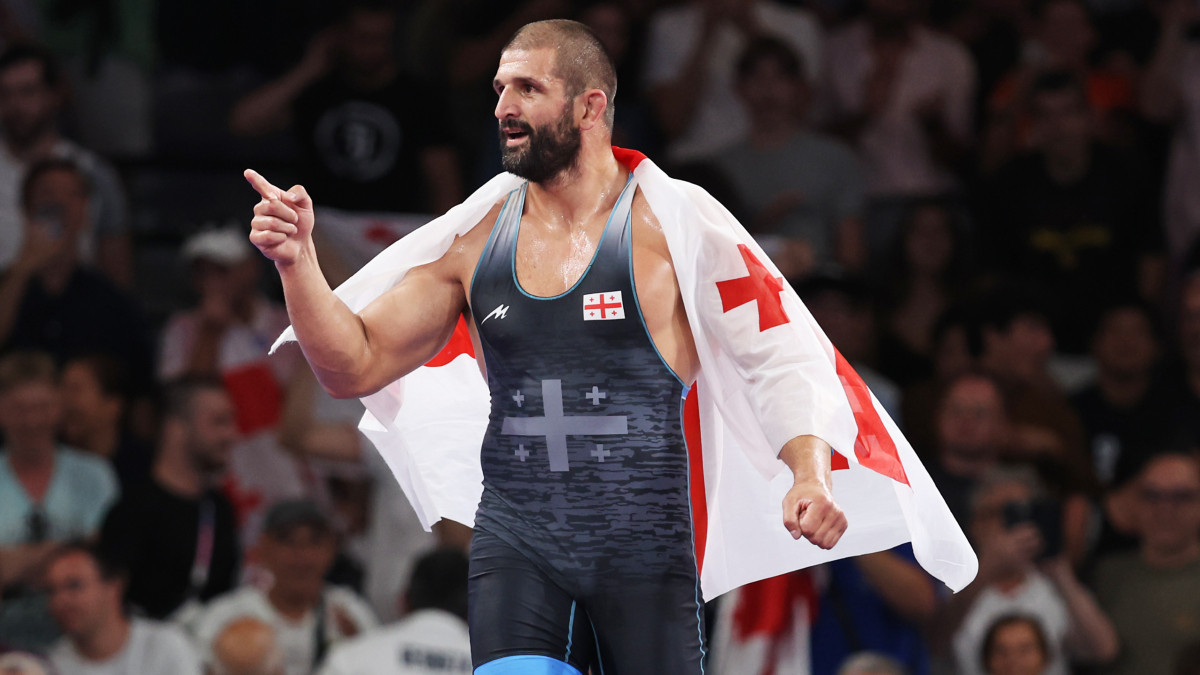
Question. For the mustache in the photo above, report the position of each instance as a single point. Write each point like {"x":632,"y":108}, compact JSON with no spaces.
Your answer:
{"x":516,"y":125}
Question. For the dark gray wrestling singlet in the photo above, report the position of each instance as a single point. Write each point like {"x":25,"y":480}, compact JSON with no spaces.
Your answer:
{"x":585,"y":470}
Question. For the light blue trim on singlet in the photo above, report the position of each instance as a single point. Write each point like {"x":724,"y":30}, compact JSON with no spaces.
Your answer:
{"x":570,"y":632}
{"x":637,"y":304}
{"x":527,"y":664}
{"x":491,"y":238}
{"x":599,"y":659}
{"x":692,"y":530}
{"x":595,"y":254}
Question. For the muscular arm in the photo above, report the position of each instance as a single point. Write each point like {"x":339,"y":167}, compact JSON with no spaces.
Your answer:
{"x":352,"y":354}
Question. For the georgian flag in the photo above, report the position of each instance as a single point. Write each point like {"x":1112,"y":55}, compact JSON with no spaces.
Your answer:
{"x":603,"y":306}
{"x":767,"y":375}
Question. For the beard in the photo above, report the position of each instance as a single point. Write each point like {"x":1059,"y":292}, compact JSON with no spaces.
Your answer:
{"x":549,"y":152}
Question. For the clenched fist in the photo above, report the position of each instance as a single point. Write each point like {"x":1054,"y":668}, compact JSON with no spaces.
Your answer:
{"x":283,"y":220}
{"x":810,"y":512}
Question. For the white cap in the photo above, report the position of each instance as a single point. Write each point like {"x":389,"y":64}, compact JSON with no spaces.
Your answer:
{"x":224,"y":246}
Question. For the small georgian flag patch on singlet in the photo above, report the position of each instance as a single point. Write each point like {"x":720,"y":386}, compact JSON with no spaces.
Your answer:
{"x":603,"y":306}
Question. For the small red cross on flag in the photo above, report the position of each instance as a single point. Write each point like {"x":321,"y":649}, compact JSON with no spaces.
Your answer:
{"x":603,"y":306}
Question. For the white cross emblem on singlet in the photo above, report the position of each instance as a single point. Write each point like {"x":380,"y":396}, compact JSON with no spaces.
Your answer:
{"x":556,"y":426}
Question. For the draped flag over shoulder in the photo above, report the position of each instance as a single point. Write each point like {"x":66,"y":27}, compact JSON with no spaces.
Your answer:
{"x":767,"y":375}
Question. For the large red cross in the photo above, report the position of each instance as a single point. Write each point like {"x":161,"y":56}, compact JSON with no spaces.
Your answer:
{"x":603,"y":305}
{"x":759,"y":286}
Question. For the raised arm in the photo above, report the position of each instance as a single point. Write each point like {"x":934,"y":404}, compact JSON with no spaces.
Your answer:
{"x":351,"y":354}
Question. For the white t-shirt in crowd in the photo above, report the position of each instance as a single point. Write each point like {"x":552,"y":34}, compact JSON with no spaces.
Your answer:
{"x":153,"y":648}
{"x":719,"y":118}
{"x":296,"y":639}
{"x":1038,"y":598}
{"x":426,"y":642}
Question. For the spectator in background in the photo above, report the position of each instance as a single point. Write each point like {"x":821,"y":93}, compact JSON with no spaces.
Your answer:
{"x":690,"y":78}
{"x":31,"y":98}
{"x":1063,"y":40}
{"x":432,"y":636}
{"x":48,"y":299}
{"x":1151,"y":594}
{"x":616,"y":25}
{"x":972,"y":430}
{"x":176,"y":535}
{"x":96,"y":397}
{"x":955,"y":348}
{"x":903,"y":95}
{"x":1016,"y":645}
{"x":98,"y":637}
{"x":1021,"y":569}
{"x":297,"y":548}
{"x":1074,"y":217}
{"x":925,"y":276}
{"x":1170,"y":93}
{"x":49,"y":493}
{"x":226,"y":336}
{"x":23,"y":663}
{"x":247,"y":646}
{"x":802,"y":191}
{"x":1127,"y":408}
{"x":370,"y":145}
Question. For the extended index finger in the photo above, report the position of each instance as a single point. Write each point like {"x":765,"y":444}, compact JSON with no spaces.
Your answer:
{"x":262,"y":185}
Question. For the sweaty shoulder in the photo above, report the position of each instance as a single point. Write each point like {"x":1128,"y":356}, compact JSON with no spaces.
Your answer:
{"x":647,"y":230}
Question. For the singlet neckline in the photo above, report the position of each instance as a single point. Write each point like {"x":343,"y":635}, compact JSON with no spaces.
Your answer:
{"x":595,"y":254}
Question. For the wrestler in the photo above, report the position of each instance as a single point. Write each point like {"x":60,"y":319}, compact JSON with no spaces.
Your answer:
{"x":576,"y":562}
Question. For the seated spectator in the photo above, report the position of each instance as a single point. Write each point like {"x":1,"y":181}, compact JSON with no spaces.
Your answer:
{"x":1151,"y":593}
{"x":1022,"y":570}
{"x":693,"y":48}
{"x":176,"y":534}
{"x":1127,"y":407}
{"x":955,"y":347}
{"x":1016,"y":645}
{"x":369,"y":144}
{"x":297,"y":547}
{"x":868,"y":663}
{"x":96,"y":397}
{"x":925,"y":276}
{"x":972,"y":428}
{"x":32,"y":93}
{"x":49,"y":493}
{"x":48,"y":299}
{"x":1017,"y":345}
{"x":98,"y":637}
{"x":431,"y":637}
{"x":1063,"y":39}
{"x":803,"y":191}
{"x":247,"y":646}
{"x":1074,"y":217}
{"x":226,"y":336}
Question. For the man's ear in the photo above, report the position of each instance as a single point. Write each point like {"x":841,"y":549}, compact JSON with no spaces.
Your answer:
{"x":595,"y":103}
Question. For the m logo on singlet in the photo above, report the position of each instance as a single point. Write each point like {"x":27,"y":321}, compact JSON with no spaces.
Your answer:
{"x":500,"y":312}
{"x":555,"y":426}
{"x":603,"y":306}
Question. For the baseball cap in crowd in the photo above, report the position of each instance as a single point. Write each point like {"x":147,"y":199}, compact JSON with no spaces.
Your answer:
{"x":224,"y":246}
{"x":286,"y":515}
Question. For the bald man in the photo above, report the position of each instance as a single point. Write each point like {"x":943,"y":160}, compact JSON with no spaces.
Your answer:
{"x":247,"y":646}
{"x":583,"y":554}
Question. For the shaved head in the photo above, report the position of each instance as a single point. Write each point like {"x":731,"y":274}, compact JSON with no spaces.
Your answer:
{"x":579,"y":58}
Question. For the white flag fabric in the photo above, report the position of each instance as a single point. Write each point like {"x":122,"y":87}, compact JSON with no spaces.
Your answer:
{"x":767,"y":374}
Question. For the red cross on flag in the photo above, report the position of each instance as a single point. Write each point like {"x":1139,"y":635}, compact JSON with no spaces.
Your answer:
{"x":603,"y":306}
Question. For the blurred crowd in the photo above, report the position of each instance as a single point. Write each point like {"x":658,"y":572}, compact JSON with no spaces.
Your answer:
{"x":992,"y":207}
